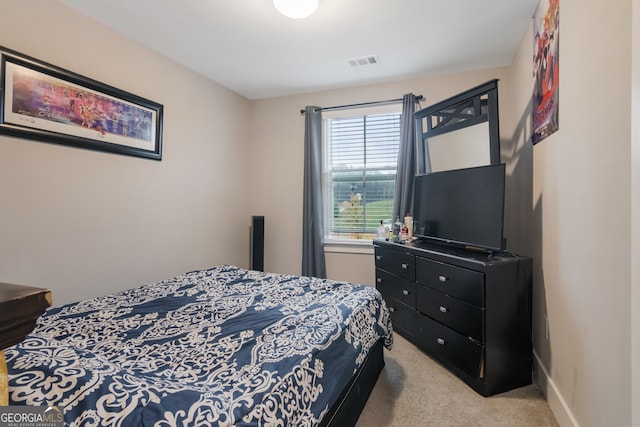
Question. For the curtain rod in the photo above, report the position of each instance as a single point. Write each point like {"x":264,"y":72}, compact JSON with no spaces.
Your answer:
{"x":365,"y":104}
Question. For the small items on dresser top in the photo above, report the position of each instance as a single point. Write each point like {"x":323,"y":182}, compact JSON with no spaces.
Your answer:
{"x":401,"y":231}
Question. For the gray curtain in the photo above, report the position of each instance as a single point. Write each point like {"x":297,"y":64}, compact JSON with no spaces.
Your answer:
{"x":403,"y":202}
{"x":313,"y":263}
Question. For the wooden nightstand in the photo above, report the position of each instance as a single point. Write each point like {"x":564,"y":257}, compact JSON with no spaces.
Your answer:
{"x":20,"y":308}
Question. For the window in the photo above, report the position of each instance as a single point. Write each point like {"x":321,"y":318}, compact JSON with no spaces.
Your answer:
{"x":361,"y":154}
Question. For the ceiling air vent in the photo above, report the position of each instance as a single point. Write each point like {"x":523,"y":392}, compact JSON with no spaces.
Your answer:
{"x":363,"y":60}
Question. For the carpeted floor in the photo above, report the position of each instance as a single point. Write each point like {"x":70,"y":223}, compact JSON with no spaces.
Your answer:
{"x":413,"y":390}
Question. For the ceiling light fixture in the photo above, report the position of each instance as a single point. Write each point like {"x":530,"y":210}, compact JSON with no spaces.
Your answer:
{"x":296,"y":9}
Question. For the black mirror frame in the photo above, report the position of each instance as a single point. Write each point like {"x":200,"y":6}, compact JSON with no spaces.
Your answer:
{"x":471,"y":107}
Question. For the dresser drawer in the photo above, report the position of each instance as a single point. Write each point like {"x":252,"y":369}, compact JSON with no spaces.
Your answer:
{"x":400,"y":263}
{"x":459,"y":315}
{"x":403,"y":318}
{"x":464,"y":284}
{"x":394,"y":286}
{"x":451,"y":347}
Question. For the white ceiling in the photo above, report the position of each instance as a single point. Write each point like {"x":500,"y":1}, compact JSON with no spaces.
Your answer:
{"x":248,"y":47}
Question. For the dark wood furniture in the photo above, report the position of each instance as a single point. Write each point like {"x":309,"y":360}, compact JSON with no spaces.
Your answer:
{"x":353,"y":398}
{"x":20,"y":308}
{"x":470,"y":311}
{"x":469,"y":108}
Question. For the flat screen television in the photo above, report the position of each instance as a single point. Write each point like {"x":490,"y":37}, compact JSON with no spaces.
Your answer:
{"x":463,"y":207}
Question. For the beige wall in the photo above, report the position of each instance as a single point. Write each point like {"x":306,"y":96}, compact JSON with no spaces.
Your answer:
{"x":278,"y":132}
{"x":582,"y":220}
{"x":85,"y":223}
{"x":568,"y":204}
{"x":635,"y":214}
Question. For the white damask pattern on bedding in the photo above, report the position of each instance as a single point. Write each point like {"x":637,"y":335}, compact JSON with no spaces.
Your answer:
{"x":222,"y":346}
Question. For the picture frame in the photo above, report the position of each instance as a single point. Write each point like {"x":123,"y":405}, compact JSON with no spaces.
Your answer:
{"x":46,"y":103}
{"x":546,"y":71}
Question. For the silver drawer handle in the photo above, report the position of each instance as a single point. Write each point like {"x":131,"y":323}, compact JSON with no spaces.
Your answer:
{"x":379,"y":257}
{"x":405,"y":266}
{"x":441,"y":341}
{"x":379,"y":280}
{"x":405,"y":292}
{"x":443,"y":309}
{"x":442,"y":278}
{"x":392,"y":309}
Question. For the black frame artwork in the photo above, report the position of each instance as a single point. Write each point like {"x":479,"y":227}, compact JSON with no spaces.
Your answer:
{"x":43,"y":102}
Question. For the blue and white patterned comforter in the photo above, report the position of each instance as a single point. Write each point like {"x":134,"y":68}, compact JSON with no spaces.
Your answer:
{"x":223,"y":346}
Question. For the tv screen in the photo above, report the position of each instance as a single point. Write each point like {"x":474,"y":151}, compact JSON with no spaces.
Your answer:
{"x":463,"y":206}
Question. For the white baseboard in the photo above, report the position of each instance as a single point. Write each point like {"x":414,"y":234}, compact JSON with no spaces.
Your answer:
{"x":556,"y":402}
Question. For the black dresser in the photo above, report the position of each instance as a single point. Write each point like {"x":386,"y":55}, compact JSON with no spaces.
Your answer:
{"x":469,"y":310}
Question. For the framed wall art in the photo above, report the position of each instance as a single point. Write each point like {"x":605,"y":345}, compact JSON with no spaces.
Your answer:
{"x":546,"y":73}
{"x":42,"y":102}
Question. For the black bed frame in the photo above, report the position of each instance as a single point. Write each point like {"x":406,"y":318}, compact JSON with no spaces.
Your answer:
{"x":350,"y":403}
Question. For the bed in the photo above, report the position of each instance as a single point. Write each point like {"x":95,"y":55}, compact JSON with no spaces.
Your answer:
{"x":221,"y":346}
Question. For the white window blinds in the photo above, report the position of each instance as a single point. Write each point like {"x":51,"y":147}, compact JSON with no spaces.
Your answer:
{"x":361,"y":154}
